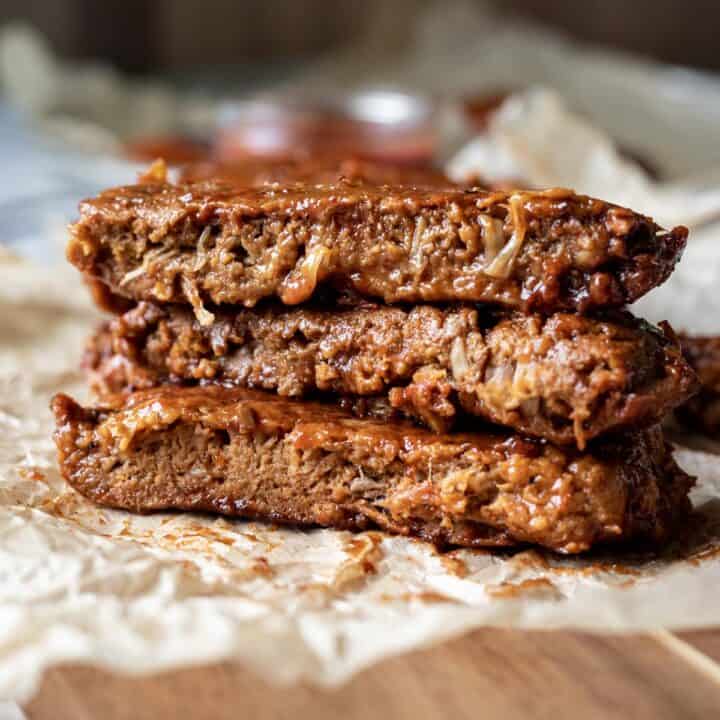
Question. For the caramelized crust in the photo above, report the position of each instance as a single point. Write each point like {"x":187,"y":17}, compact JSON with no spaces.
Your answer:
{"x":253,"y":455}
{"x":567,"y":378}
{"x":215,"y":242}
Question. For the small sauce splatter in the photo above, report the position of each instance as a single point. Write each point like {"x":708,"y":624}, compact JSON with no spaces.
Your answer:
{"x":32,"y":474}
{"x":455,"y":566}
{"x":364,"y":552}
{"x":263,"y":568}
{"x":365,"y":549}
{"x":535,"y":588}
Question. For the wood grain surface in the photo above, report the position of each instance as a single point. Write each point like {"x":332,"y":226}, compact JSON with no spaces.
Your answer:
{"x":487,"y":674}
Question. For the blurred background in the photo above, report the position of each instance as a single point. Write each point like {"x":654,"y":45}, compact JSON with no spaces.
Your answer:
{"x":171,"y":36}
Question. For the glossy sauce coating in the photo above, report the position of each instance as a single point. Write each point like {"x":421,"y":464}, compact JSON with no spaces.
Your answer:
{"x":215,"y":242}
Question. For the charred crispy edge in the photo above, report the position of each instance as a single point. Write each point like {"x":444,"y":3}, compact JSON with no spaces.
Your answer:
{"x":674,"y":484}
{"x":659,"y":265}
{"x":663,"y":396}
{"x":637,"y":406}
{"x":624,"y":281}
{"x":68,"y":411}
{"x":653,"y":522}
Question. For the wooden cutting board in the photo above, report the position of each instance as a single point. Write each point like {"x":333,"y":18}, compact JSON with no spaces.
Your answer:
{"x":485,"y":675}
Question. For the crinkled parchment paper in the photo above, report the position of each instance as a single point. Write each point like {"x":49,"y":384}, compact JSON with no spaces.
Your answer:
{"x":137,"y":594}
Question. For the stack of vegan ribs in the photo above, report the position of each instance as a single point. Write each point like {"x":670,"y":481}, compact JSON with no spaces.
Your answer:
{"x":371,"y":350}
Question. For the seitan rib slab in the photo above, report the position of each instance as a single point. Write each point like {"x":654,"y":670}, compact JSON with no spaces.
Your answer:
{"x":215,"y":242}
{"x":253,"y":455}
{"x":567,"y":378}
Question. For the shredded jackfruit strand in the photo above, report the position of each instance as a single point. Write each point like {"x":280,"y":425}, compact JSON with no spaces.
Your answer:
{"x":201,"y":256}
{"x":300,"y":283}
{"x":492,"y":236}
{"x":204,"y":317}
{"x":502,"y":265}
{"x":458,"y":359}
{"x":151,"y":258}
